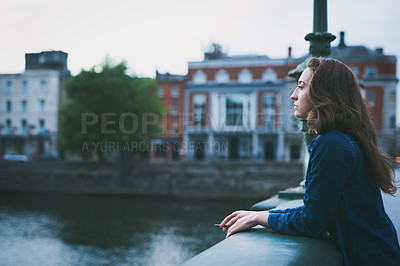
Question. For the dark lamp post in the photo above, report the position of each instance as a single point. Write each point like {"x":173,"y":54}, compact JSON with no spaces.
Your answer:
{"x":320,"y":39}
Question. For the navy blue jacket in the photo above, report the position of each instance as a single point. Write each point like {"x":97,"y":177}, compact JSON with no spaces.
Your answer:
{"x":341,"y":199}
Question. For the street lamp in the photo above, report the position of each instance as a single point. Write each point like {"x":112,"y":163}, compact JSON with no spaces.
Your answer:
{"x":320,"y":39}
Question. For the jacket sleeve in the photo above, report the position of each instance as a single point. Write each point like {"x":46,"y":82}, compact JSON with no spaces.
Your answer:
{"x":286,"y":210}
{"x":330,"y":164}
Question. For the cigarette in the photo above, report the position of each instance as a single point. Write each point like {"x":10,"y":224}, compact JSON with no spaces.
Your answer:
{"x":219,"y":225}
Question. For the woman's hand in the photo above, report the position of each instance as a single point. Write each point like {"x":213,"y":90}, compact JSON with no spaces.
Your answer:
{"x":243,"y":220}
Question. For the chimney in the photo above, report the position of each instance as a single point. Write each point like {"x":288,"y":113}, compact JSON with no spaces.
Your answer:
{"x":290,"y":52}
{"x":341,"y":43}
{"x":379,"y":50}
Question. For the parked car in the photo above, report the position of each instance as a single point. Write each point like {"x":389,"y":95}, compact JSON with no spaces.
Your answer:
{"x":15,"y":157}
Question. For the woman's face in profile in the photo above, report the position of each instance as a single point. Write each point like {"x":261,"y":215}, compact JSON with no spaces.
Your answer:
{"x":302,"y":103}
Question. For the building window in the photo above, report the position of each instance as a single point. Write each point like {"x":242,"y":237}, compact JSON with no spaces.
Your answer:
{"x":42,"y":104}
{"x":24,"y":127}
{"x":355,"y":70}
{"x":9,"y":86}
{"x":9,"y":106}
{"x":393,"y":98}
{"x":41,"y":126}
{"x":199,"y":77}
{"x":234,"y":109}
{"x":222,"y":76}
{"x":175,"y":92}
{"x":24,"y":105}
{"x":25,"y":86}
{"x":269,"y":105}
{"x":370,"y":71}
{"x":9,"y":126}
{"x":245,"y":76}
{"x":160,"y":92}
{"x":43,"y":85}
{"x":174,"y":108}
{"x":371,"y":96}
{"x":269,"y":75}
{"x":175,"y":129}
{"x":199,"y":112}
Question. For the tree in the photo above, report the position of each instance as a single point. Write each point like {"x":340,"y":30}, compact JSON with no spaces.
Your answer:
{"x":109,"y":111}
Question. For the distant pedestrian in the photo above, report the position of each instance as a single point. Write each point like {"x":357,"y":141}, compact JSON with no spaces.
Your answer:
{"x":345,"y":175}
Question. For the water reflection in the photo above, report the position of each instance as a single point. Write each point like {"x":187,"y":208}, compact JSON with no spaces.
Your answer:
{"x":54,"y":229}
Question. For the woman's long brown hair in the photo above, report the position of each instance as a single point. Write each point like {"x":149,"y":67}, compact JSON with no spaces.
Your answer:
{"x":338,"y":105}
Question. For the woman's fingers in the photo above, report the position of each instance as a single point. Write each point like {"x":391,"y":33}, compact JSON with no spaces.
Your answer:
{"x":228,"y":219}
{"x":243,"y":220}
{"x":232,"y":221}
{"x":238,"y":221}
{"x":231,"y":230}
{"x":240,"y":224}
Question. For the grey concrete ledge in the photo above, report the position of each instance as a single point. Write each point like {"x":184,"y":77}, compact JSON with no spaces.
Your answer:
{"x":284,"y":196}
{"x":261,"y":246}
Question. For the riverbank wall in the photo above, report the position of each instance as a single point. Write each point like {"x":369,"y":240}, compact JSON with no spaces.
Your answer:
{"x":247,"y":179}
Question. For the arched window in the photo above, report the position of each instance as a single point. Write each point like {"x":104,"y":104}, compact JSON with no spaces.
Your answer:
{"x":245,"y":76}
{"x":269,"y":75}
{"x":199,"y":77}
{"x":222,"y":76}
{"x":175,"y":92}
{"x":370,"y":71}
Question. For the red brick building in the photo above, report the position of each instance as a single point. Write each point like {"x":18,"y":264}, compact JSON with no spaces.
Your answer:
{"x":377,"y":73}
{"x":171,"y":92}
{"x":239,"y":107}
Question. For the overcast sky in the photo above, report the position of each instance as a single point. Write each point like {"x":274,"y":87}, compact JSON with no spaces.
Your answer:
{"x":166,"y":34}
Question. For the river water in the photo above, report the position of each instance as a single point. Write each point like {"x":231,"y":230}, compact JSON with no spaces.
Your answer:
{"x":51,"y":229}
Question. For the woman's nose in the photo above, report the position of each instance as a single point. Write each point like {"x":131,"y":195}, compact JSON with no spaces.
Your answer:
{"x":294,"y":95}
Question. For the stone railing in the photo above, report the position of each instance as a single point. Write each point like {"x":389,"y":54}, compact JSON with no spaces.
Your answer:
{"x":261,"y":246}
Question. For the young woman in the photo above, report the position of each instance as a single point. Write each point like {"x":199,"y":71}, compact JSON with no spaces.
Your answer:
{"x":345,"y":175}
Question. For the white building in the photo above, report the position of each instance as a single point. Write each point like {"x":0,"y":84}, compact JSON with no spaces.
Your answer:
{"x":29,"y":104}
